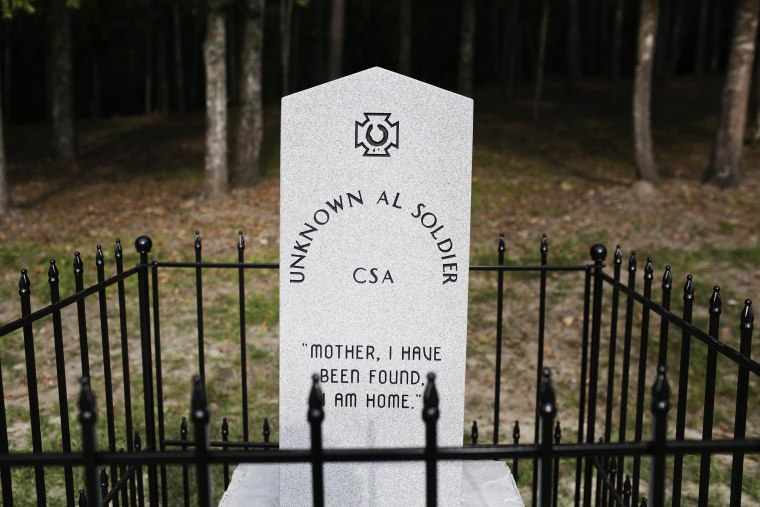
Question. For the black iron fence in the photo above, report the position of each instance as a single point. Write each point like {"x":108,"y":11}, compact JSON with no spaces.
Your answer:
{"x":604,"y":463}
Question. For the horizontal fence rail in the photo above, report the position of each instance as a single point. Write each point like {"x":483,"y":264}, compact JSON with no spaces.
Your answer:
{"x":603,"y":466}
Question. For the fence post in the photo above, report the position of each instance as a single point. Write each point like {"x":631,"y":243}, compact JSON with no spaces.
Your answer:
{"x":660,"y":407}
{"x":624,"y":381}
{"x":24,"y":292}
{"x":515,"y":461}
{"x":742,"y":390}
{"x":667,"y":287}
{"x":199,"y":306}
{"x":544,"y":251}
{"x":225,"y":438}
{"x":143,"y":245}
{"x":618,"y":263}
{"x":474,"y":433}
{"x":710,"y":375}
{"x":683,"y":385}
{"x":499,"y":330}
{"x":78,"y":266}
{"x":641,"y":380}
{"x":87,"y":419}
{"x":200,"y":418}
{"x":266,"y":431}
{"x":185,"y":475}
{"x":547,"y":409}
{"x":555,"y":481}
{"x":243,"y":353}
{"x":598,"y":254}
{"x":431,"y":414}
{"x":60,"y":365}
{"x":315,"y":416}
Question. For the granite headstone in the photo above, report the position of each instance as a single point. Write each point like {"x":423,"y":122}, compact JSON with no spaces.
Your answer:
{"x":374,"y":253}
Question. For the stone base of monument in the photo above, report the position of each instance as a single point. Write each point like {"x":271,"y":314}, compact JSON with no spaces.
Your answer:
{"x":484,"y":484}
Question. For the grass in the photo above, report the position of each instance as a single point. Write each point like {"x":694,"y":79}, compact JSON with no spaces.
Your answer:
{"x":567,"y":176}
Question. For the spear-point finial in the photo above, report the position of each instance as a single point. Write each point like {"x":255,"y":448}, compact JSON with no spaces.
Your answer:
{"x":103,"y":481}
{"x":183,"y":428}
{"x":632,"y":262}
{"x":265,"y":430}
{"x":544,"y":244}
{"x":225,"y":428}
{"x":197,"y":240}
{"x":241,"y":241}
{"x":649,"y":269}
{"x":198,"y":402}
{"x":747,"y":317}
{"x":117,"y":251}
{"x":660,"y":392}
{"x":644,"y":502}
{"x":99,"y":259}
{"x":715,"y":301}
{"x":87,"y":413}
{"x":82,"y":499}
{"x":627,"y":488}
{"x":24,"y":285}
{"x":688,"y":289}
{"x":667,"y":279}
{"x":316,"y":411}
{"x":557,"y":432}
{"x":474,"y":433}
{"x":53,"y":272}
{"x":618,"y":255}
{"x":516,"y":432}
{"x":430,"y":400}
{"x":613,"y":466}
{"x":502,"y":245}
{"x":138,"y":441}
{"x":78,"y":264}
{"x":598,"y":253}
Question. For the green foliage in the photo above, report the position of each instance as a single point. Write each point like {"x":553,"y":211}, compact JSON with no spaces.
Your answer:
{"x":10,"y":6}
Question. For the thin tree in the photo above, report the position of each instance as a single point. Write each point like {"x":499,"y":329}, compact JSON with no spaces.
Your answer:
{"x":215,"y":184}
{"x":541,"y":53}
{"x":286,"y":29}
{"x":178,"y":62}
{"x":466,"y":48}
{"x":335,"y":55}
{"x":646,"y":169}
{"x":573,"y":45}
{"x":251,"y":119}
{"x":405,"y":38}
{"x":725,"y":162}
{"x":62,"y":101}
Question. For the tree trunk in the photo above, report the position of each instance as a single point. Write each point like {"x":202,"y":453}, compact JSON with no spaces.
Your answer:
{"x":405,"y":38}
{"x":617,"y":47}
{"x":573,"y":45}
{"x":64,"y":135}
{"x":642,"y":93}
{"x":286,"y":29}
{"x":699,"y":51}
{"x":215,"y":184}
{"x":4,"y":194}
{"x":725,"y":163}
{"x":250,"y":122}
{"x":178,"y":64}
{"x":466,"y":48}
{"x":335,"y":56}
{"x":540,"y":62}
{"x":148,"y":56}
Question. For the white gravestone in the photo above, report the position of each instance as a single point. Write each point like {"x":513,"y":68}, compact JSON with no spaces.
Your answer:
{"x":374,"y":254}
